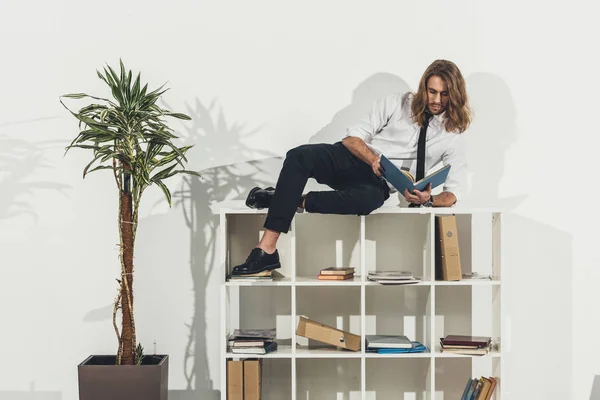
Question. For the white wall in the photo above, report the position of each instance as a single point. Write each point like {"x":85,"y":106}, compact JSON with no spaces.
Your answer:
{"x":258,"y":78}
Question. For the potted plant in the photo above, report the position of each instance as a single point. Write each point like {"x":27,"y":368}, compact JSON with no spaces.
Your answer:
{"x":129,"y":136}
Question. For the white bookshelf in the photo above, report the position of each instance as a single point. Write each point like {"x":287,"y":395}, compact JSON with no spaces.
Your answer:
{"x":391,"y":238}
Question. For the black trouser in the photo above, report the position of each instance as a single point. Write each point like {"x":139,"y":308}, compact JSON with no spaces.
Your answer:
{"x":357,"y":190}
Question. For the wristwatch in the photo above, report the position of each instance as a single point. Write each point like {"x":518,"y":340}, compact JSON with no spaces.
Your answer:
{"x":429,"y":203}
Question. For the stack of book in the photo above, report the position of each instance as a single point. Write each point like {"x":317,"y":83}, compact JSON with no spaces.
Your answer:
{"x":392,"y":277}
{"x":481,"y":388}
{"x":252,"y":341}
{"x":259,"y":276}
{"x":392,"y":344}
{"x":336,"y":274}
{"x":470,"y":345}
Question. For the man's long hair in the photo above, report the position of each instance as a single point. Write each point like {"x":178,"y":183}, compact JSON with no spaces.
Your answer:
{"x":458,"y":113}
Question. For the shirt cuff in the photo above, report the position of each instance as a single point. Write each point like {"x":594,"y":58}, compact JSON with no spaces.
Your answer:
{"x":455,"y":191}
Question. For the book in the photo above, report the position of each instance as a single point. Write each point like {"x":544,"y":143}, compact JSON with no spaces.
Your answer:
{"x":388,"y":342}
{"x":471,"y":352}
{"x":467,"y":386}
{"x":392,"y":277}
{"x":481,"y":388}
{"x":380,"y":275}
{"x":476,"y":275}
{"x":465,"y":340}
{"x":402,"y":182}
{"x":395,"y":281}
{"x":259,"y":276}
{"x":417,"y":347}
{"x":335,"y":277}
{"x":267,"y":348}
{"x":246,"y":343}
{"x":269,"y":333}
{"x":337,"y":271}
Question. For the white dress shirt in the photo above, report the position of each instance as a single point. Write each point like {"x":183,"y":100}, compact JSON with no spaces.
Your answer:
{"x":388,"y":129}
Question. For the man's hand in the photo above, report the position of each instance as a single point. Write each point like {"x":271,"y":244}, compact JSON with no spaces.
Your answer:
{"x":418,"y":197}
{"x":376,"y":166}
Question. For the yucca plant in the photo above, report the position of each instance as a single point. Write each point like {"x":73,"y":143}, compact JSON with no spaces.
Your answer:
{"x":128,"y":134}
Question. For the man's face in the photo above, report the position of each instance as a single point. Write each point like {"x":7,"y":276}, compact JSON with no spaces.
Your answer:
{"x":437,"y":95}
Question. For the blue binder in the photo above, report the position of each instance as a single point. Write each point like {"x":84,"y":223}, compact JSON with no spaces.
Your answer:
{"x":401,"y":182}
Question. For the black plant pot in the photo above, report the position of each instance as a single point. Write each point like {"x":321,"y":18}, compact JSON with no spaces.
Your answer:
{"x":101,"y":379}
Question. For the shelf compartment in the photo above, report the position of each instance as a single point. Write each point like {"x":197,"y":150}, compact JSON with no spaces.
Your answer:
{"x":324,"y":241}
{"x":328,"y":378}
{"x":244,"y":231}
{"x":399,"y":310}
{"x":276,"y":379}
{"x":392,"y":379}
{"x":452,"y":374}
{"x":399,"y":242}
{"x":252,"y":307}
{"x":457,"y":313}
{"x":335,"y":306}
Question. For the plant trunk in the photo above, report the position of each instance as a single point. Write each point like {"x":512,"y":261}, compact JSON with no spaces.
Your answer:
{"x":127,"y":335}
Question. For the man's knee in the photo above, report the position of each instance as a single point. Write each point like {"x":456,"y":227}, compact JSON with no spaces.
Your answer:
{"x":297,"y":153}
{"x":371,"y":200}
{"x":302,"y":154}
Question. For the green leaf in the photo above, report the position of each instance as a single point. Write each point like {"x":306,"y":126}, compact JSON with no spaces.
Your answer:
{"x":178,"y":115}
{"x":184,"y":171}
{"x":90,"y":164}
{"x":165,"y":190}
{"x":85,"y":146}
{"x":99,"y":168}
{"x":163,"y":173}
{"x":136,"y":89}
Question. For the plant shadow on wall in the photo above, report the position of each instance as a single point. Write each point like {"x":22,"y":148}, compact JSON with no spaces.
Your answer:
{"x":19,"y":160}
{"x":217,"y":143}
{"x":239,"y":169}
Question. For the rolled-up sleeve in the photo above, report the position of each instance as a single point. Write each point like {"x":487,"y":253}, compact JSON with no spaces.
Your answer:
{"x":377,"y":118}
{"x":456,"y":156}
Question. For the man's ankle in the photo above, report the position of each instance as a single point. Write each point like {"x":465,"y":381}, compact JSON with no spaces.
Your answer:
{"x":267,"y":249}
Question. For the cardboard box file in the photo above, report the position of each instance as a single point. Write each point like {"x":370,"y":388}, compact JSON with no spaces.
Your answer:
{"x":252,"y":379}
{"x":447,"y":253}
{"x":235,"y":380}
{"x":327,"y":334}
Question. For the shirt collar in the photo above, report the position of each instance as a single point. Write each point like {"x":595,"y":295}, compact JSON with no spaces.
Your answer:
{"x":439,"y":119}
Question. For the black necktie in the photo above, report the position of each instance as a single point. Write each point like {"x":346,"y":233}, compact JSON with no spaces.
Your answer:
{"x":421,"y":149}
{"x":421,"y":153}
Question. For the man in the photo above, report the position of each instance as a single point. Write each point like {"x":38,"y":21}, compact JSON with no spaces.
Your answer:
{"x":438,"y":112}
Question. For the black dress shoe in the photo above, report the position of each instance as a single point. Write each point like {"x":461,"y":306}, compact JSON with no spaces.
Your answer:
{"x":258,"y":261}
{"x":260,"y":198}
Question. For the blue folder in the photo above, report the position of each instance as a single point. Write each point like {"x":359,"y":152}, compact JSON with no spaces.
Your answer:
{"x":417,"y":348}
{"x":401,"y":182}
